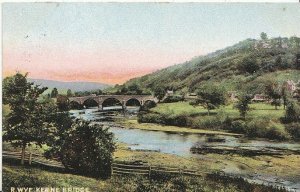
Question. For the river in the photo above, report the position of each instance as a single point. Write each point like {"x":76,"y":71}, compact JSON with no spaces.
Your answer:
{"x":180,"y":144}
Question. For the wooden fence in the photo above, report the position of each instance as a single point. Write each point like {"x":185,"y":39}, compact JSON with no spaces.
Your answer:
{"x":125,"y":168}
{"x":117,"y":168}
{"x":33,"y":158}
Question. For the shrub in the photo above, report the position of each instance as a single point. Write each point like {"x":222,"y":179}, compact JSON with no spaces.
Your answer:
{"x":274,"y":132}
{"x":144,"y":117}
{"x":294,"y":130}
{"x":292,"y":112}
{"x":238,"y":126}
{"x":172,"y":99}
{"x":88,"y":149}
{"x":180,"y":120}
{"x":207,"y":122}
{"x":148,"y":105}
{"x":257,"y":128}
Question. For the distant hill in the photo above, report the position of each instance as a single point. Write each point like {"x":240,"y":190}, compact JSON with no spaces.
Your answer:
{"x":232,"y":67}
{"x":62,"y":87}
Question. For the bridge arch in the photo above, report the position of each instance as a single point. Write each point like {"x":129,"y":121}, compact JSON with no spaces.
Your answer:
{"x":75,"y":105}
{"x":90,"y":102}
{"x":133,"y":102}
{"x":111,"y":101}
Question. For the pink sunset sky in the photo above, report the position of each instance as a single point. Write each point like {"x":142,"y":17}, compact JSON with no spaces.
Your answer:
{"x":114,"y":42}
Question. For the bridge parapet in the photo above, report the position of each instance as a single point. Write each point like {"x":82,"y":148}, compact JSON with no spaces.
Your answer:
{"x":122,"y":98}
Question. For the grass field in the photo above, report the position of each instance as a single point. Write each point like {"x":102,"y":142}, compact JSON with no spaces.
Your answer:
{"x":184,"y":108}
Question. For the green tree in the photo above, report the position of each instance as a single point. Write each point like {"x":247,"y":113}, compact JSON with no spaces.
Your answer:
{"x":54,"y":93}
{"x":248,"y":65}
{"x":264,"y":36}
{"x":210,"y":96}
{"x":292,"y":111}
{"x":242,"y":105}
{"x":27,"y":121}
{"x":69,"y":93}
{"x":134,"y":89}
{"x":159,"y":93}
{"x":86,"y":148}
{"x":274,"y":93}
{"x":285,"y":94}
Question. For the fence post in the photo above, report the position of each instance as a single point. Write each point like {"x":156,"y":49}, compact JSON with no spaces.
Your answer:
{"x":112,"y":169}
{"x":149,"y":171}
{"x":30,"y":158}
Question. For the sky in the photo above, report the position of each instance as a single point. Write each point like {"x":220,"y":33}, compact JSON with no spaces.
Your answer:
{"x":114,"y":42}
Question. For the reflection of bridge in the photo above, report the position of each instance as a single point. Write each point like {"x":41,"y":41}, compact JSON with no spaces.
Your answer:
{"x":123,"y":99}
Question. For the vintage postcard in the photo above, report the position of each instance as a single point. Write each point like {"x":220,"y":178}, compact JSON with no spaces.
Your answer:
{"x":149,"y":97}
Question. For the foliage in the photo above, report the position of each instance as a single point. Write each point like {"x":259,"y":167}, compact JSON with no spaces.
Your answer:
{"x":62,"y":102}
{"x":292,"y":112}
{"x":159,"y":92}
{"x":148,"y":105}
{"x":223,"y":67}
{"x":28,"y":120}
{"x":263,"y":36}
{"x":86,"y":148}
{"x":248,"y":65}
{"x":172,"y":99}
{"x":210,"y":96}
{"x":87,"y":93}
{"x":54,"y":93}
{"x":272,"y":89}
{"x":69,"y":93}
{"x":242,"y":105}
{"x":294,"y":130}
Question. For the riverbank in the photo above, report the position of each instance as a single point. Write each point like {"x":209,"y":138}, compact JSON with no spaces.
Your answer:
{"x":262,"y":121}
{"x":132,"y":123}
{"x":274,"y":170}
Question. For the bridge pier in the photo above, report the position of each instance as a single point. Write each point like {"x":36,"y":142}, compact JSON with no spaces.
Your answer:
{"x":100,"y":107}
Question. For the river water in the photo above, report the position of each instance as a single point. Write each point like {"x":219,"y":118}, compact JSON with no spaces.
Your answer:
{"x":180,"y":144}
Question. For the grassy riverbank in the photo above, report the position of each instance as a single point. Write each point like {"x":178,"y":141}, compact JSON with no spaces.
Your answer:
{"x":132,"y":123}
{"x":262,"y":121}
{"x":285,"y":167}
{"x":34,"y":177}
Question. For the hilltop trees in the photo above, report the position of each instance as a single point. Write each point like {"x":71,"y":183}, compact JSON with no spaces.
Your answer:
{"x":28,"y":122}
{"x":264,"y":36}
{"x":248,"y":65}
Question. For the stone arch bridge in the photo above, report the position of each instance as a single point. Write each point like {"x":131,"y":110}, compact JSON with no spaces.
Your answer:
{"x":123,"y":99}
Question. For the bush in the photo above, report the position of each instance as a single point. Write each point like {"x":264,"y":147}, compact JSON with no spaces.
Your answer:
{"x":274,"y":132}
{"x":88,"y":149}
{"x":238,"y":126}
{"x":294,"y":130}
{"x":148,"y":105}
{"x":292,"y":112}
{"x":257,"y":128}
{"x":180,"y":120}
{"x":207,"y":122}
{"x":144,"y":117}
{"x":173,"y":99}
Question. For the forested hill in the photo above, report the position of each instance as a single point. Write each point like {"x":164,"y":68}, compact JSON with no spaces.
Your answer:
{"x":231,"y":67}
